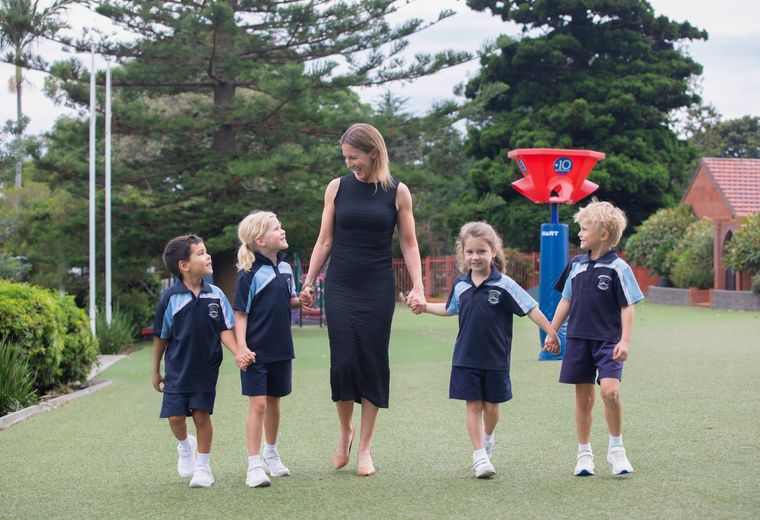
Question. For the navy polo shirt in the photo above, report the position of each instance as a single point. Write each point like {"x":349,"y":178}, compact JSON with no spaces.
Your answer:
{"x":264,"y":293}
{"x":597,"y":290}
{"x":485,"y":319}
{"x":192,"y":325}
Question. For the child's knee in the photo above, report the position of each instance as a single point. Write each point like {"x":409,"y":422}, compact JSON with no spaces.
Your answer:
{"x":176,"y":421}
{"x":611,"y":395}
{"x":257,"y":405}
{"x":490,"y":408}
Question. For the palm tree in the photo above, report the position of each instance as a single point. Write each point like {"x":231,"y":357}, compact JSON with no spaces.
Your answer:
{"x":21,"y":23}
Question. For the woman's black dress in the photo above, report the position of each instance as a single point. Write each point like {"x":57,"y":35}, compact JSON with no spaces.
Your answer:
{"x":360,"y":291}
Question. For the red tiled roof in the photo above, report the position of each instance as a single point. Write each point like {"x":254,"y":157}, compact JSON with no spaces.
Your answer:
{"x":738,"y":180}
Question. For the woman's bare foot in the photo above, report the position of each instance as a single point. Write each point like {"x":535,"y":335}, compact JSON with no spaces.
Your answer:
{"x":366,"y":467}
{"x":342,"y":453}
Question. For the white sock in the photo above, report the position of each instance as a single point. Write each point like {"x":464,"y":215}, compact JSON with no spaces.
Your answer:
{"x":479,"y":454}
{"x":616,"y":441}
{"x":203,"y":459}
{"x":488,"y":438}
{"x":269,"y":448}
{"x":254,"y":460}
{"x":584,"y":447}
{"x":185,"y":444}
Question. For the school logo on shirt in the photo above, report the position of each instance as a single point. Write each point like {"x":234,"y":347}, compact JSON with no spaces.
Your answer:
{"x":603,"y":282}
{"x":493,"y":296}
{"x":213,"y":310}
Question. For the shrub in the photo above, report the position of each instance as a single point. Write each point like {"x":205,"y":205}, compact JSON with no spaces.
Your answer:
{"x":756,"y":284}
{"x":139,"y":305}
{"x":692,"y":259}
{"x":48,"y":331}
{"x":117,"y":336}
{"x":657,"y":236}
{"x":13,"y":269}
{"x":744,"y":248}
{"x":80,"y":348}
{"x":16,"y":381}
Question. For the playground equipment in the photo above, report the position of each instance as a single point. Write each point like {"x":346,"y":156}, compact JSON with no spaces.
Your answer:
{"x":554,"y":176}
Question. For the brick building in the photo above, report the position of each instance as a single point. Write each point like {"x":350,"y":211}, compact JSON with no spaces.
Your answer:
{"x":726,"y":191}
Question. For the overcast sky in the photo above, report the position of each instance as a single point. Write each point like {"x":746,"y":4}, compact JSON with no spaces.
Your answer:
{"x":730,"y":57}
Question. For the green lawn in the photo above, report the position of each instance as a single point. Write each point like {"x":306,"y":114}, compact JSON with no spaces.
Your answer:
{"x":692,"y":429}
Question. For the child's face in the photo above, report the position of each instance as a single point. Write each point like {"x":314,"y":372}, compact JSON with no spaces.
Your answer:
{"x":357,"y":161}
{"x":478,"y":255}
{"x":592,"y":236}
{"x":274,"y":238}
{"x":199,"y":262}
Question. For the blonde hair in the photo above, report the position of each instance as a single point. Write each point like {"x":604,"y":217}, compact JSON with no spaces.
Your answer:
{"x":605,"y":217}
{"x":484,"y":231}
{"x":367,"y":139}
{"x":253,"y":226}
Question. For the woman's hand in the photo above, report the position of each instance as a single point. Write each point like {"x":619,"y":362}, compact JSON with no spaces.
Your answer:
{"x":416,"y":300}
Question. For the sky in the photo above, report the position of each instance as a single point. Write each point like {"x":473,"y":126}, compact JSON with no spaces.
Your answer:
{"x":730,"y":56}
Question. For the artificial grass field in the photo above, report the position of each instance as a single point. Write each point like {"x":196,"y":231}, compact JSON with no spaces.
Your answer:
{"x":691,"y":427}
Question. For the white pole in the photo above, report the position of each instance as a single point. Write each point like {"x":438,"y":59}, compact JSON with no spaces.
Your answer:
{"x":92,"y":193}
{"x":108,"y":193}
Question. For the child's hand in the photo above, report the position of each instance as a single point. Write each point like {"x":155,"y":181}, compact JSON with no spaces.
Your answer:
{"x":244,"y":358}
{"x":158,"y":382}
{"x":621,"y":351}
{"x":552,"y":343}
{"x":307,"y":296}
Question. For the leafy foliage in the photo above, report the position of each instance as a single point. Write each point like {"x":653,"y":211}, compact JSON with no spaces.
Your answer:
{"x":744,"y":248}
{"x":601,"y":75}
{"x":658,"y":236}
{"x":117,"y":336}
{"x":16,"y":381}
{"x":692,"y":259}
{"x":734,"y":138}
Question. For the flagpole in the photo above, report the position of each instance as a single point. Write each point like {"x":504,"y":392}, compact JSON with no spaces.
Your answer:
{"x":91,"y":272}
{"x":108,"y":193}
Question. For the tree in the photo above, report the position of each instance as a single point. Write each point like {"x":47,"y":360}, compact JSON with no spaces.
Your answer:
{"x":735,"y":138}
{"x":22,"y":22}
{"x":600,"y":74}
{"x":744,"y":248}
{"x":692,"y":259}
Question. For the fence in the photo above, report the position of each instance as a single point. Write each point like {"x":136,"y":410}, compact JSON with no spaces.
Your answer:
{"x":438,"y":273}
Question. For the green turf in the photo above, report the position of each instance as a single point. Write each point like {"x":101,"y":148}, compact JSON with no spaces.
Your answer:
{"x":692,"y":429}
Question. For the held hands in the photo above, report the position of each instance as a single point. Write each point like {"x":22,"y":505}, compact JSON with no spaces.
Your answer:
{"x":415,"y":299}
{"x":307,"y":295}
{"x":551,"y":343}
{"x":244,"y":358}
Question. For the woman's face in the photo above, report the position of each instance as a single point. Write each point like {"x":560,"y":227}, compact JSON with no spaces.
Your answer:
{"x":358,"y":161}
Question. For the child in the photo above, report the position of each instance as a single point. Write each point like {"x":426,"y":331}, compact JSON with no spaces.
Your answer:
{"x":598,"y":292}
{"x":485,"y":299}
{"x":191,"y":318}
{"x":263,"y":299}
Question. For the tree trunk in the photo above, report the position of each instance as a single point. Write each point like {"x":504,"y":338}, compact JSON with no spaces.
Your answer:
{"x":224,"y":138}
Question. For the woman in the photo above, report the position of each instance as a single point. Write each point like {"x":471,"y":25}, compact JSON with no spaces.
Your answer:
{"x":361,"y":210}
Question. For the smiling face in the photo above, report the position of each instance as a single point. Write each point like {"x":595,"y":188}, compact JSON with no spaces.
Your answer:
{"x":273,"y":239}
{"x":478,"y":255}
{"x":198,"y":263}
{"x":592,"y":237}
{"x":359,"y":162}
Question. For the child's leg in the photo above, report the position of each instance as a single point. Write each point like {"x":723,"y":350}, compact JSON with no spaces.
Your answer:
{"x":369,"y":418}
{"x":490,"y":417}
{"x":345,"y":411}
{"x":257,"y":407}
{"x":613,"y":405}
{"x":272,"y":420}
{"x":204,"y":430}
{"x":584,"y":403}
{"x":178,"y":425}
{"x":475,"y":423}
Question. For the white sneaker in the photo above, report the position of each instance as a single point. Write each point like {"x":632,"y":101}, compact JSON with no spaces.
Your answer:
{"x":620,"y":465}
{"x":257,"y":477}
{"x":483,"y":468}
{"x":584,"y":467}
{"x":202,"y":477}
{"x":273,"y":465}
{"x":186,"y":459}
{"x":490,"y":446}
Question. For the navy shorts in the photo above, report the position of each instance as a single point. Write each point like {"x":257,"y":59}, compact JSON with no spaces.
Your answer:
{"x":478,"y":384}
{"x":271,"y":379}
{"x":175,"y":405}
{"x":589,"y":361}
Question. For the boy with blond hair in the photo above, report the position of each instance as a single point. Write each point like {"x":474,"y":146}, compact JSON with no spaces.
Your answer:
{"x":598,"y":293}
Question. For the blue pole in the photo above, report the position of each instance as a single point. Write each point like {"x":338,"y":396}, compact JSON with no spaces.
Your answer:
{"x":553,"y":258}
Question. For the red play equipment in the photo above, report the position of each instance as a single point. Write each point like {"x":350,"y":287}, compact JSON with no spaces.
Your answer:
{"x":555,"y":175}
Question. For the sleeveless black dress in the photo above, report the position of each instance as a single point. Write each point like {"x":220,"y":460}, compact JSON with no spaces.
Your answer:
{"x":360,"y":291}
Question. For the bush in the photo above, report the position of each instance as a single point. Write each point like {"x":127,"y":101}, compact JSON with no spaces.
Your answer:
{"x":658,"y":236}
{"x":48,"y":331}
{"x":116,"y":337}
{"x":756,"y":284}
{"x":692,"y":259}
{"x":80,"y":348}
{"x":139,"y":305}
{"x":744,"y":248}
{"x":13,"y":269}
{"x":16,"y":381}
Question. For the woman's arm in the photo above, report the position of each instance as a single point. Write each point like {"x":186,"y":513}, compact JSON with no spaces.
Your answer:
{"x":323,"y":246}
{"x":408,"y":240}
